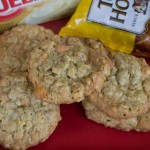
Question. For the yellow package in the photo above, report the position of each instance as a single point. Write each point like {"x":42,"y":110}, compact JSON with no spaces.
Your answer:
{"x":114,"y":22}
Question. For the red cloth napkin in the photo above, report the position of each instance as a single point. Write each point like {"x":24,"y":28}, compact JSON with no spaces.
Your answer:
{"x":75,"y":132}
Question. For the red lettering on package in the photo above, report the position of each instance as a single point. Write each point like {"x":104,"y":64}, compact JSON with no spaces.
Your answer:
{"x":12,"y":8}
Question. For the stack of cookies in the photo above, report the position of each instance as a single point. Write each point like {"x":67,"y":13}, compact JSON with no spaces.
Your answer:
{"x":40,"y":70}
{"x":25,"y":120}
{"x":124,"y":100}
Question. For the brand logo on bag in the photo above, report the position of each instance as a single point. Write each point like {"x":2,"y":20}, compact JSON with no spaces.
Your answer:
{"x":12,"y":8}
{"x":128,"y":15}
{"x":140,"y":6}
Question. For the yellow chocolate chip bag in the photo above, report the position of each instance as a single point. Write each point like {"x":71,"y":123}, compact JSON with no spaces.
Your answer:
{"x":114,"y":22}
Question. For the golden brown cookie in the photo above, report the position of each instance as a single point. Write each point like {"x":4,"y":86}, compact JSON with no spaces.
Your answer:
{"x":65,"y":70}
{"x":95,"y":114}
{"x":16,"y":44}
{"x":25,"y":121}
{"x":126,"y":91}
{"x":140,"y":123}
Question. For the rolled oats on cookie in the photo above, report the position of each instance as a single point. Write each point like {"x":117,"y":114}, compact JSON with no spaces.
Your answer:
{"x":95,"y":114}
{"x":126,"y":91}
{"x":25,"y":121}
{"x":140,"y":123}
{"x":66,"y":69}
{"x":16,"y":44}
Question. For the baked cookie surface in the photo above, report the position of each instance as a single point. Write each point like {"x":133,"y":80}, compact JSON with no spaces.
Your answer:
{"x":140,"y":123}
{"x":16,"y":44}
{"x":25,"y":121}
{"x":65,"y":70}
{"x":126,"y":91}
{"x":95,"y":114}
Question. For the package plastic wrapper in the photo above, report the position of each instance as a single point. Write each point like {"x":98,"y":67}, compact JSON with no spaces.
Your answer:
{"x":120,"y":24}
{"x":142,"y":45}
{"x":13,"y":12}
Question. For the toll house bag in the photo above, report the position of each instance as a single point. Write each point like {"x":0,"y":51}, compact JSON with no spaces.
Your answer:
{"x":117,"y":23}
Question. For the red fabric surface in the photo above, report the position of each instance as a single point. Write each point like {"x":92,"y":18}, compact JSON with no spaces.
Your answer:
{"x":75,"y":132}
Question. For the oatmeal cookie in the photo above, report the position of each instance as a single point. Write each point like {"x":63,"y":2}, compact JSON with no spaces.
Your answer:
{"x":144,"y":122}
{"x":140,"y":123}
{"x":25,"y":121}
{"x":16,"y":44}
{"x":126,"y":91}
{"x":65,"y":71}
{"x":95,"y":114}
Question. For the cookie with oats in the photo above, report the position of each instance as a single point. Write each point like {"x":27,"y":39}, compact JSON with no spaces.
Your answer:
{"x":126,"y":91}
{"x":65,"y":71}
{"x":16,"y":44}
{"x":95,"y":114}
{"x":140,"y":123}
{"x":25,"y":121}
